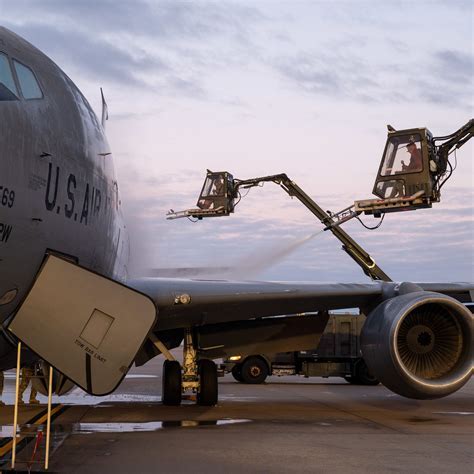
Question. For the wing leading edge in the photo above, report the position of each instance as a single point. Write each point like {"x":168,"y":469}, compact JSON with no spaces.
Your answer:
{"x":185,"y":303}
{"x":211,"y":302}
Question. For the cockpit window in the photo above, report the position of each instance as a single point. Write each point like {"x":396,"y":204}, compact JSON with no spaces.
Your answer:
{"x":8,"y":90}
{"x":28,"y":83}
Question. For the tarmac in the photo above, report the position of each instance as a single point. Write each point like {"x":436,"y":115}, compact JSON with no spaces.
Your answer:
{"x":287,"y":425}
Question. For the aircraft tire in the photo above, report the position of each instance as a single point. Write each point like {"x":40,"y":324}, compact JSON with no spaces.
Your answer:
{"x":254,"y":370}
{"x":207,"y":394}
{"x":171,"y":389}
{"x":237,"y":373}
{"x":364,"y":377}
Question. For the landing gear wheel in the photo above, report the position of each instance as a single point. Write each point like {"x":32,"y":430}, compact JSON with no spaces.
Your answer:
{"x":254,"y":370}
{"x":364,"y":377}
{"x":207,"y":394}
{"x":237,"y":373}
{"x":171,"y":390}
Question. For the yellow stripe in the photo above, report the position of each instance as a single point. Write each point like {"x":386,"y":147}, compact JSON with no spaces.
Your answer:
{"x":5,"y":449}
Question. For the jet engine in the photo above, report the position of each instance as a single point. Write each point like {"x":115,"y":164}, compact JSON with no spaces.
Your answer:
{"x":61,"y":384}
{"x":419,"y":344}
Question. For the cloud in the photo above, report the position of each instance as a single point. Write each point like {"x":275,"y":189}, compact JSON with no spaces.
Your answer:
{"x":175,"y":48}
{"x":109,"y":61}
{"x":156,"y":47}
{"x":163,"y":20}
{"x":454,"y":66}
{"x":447,"y":79}
{"x":93,"y":55}
{"x":334,"y":75}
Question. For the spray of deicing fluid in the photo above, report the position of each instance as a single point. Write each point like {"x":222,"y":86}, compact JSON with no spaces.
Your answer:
{"x":246,"y":267}
{"x":255,"y":264}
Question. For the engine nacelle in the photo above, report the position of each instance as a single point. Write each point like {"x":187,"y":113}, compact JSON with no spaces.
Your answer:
{"x":420,"y":344}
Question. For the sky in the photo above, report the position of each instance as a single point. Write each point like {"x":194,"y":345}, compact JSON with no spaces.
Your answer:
{"x":263,"y":87}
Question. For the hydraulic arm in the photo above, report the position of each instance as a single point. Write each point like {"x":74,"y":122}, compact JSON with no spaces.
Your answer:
{"x":451,"y":143}
{"x":349,"y":245}
{"x":220,"y":191}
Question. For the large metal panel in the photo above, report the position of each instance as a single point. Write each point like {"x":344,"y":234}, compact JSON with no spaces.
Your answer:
{"x":87,"y":326}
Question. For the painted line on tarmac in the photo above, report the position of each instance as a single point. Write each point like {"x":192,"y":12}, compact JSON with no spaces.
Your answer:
{"x":6,"y":444}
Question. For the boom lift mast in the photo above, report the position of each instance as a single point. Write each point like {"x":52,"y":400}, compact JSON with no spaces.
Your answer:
{"x":349,"y":245}
{"x":398,"y":186}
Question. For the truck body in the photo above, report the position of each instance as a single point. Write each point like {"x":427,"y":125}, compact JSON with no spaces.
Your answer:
{"x":337,"y":355}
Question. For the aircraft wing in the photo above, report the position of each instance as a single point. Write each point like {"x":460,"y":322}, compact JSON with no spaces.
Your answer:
{"x":185,"y":303}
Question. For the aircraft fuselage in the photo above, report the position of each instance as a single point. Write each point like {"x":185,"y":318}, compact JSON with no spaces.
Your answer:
{"x":58,"y":190}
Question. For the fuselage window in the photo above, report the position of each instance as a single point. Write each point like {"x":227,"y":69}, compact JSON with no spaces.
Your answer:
{"x":28,"y":83}
{"x":8,"y":90}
